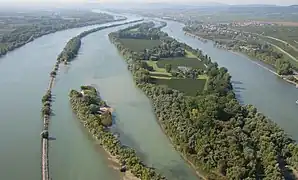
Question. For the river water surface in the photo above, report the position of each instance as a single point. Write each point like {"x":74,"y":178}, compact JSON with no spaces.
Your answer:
{"x":24,"y":75}
{"x":100,"y":64}
{"x":73,"y":155}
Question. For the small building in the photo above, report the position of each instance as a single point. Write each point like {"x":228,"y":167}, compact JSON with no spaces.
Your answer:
{"x":45,"y":134}
{"x":184,"y":69}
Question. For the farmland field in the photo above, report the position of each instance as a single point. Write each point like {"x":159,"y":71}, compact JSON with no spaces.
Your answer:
{"x":160,"y":75}
{"x":155,"y":67}
{"x":181,"y":61}
{"x":189,"y":86}
{"x":139,"y":45}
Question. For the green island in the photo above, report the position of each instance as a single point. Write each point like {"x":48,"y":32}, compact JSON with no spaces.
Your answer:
{"x":96,"y":116}
{"x":20,"y":28}
{"x":197,"y":109}
{"x":162,"y":59}
{"x":264,"y":33}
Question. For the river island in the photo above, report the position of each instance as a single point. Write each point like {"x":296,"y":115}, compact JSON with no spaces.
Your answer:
{"x":196,"y":107}
{"x":96,"y":116}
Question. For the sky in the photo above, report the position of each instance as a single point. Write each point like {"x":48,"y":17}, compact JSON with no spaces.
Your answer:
{"x":278,"y":2}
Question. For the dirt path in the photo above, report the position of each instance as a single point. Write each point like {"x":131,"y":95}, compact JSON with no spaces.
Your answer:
{"x":283,"y":51}
{"x":282,"y":41}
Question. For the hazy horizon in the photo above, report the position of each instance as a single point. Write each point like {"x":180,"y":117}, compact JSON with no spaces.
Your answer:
{"x":232,"y":2}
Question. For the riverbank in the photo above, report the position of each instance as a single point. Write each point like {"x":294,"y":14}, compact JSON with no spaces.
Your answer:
{"x":199,"y":173}
{"x":115,"y":162}
{"x":196,"y":36}
{"x":284,"y":77}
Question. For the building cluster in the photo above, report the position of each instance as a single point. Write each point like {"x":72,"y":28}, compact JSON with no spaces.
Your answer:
{"x":250,"y":23}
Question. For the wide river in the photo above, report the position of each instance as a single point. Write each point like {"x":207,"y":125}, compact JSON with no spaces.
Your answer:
{"x":24,"y":75}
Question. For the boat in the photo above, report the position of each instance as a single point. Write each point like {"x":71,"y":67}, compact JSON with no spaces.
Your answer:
{"x":297,"y":102}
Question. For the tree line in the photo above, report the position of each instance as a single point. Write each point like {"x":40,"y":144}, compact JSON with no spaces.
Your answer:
{"x":143,"y":31}
{"x":86,"y":107}
{"x":212,"y":129}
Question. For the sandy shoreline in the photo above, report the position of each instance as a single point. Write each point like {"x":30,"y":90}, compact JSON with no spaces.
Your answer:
{"x":114,"y":162}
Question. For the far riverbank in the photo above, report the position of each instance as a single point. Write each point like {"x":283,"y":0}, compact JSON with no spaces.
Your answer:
{"x":255,"y":61}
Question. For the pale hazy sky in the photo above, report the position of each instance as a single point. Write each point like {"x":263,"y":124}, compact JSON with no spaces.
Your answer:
{"x":279,"y":2}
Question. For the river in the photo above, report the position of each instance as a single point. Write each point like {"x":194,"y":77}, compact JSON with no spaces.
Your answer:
{"x":74,"y":155}
{"x":253,"y":84}
{"x":24,"y":76}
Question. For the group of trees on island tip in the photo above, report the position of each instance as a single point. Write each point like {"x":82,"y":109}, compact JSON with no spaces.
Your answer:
{"x":212,"y":130}
{"x":87,"y":106}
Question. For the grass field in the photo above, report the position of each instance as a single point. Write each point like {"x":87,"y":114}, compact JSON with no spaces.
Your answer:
{"x":189,"y":86}
{"x":134,"y":30}
{"x":189,"y":54}
{"x":181,"y":61}
{"x":155,"y":67}
{"x":139,"y":45}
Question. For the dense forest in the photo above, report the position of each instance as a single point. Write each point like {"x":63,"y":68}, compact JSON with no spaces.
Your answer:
{"x":145,"y":31}
{"x":211,"y":129}
{"x":17,"y":29}
{"x":87,"y":105}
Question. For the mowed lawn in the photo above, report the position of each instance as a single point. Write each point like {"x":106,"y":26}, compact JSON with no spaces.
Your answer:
{"x":139,"y":45}
{"x":189,"y":86}
{"x":181,"y":61}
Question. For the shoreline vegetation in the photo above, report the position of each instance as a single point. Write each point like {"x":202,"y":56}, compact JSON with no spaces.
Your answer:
{"x":26,"y":32}
{"x":96,"y":117}
{"x":220,"y":137}
{"x":69,"y":52}
{"x":288,"y":78}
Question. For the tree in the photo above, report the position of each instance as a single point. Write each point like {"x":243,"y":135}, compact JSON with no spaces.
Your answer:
{"x":168,"y":67}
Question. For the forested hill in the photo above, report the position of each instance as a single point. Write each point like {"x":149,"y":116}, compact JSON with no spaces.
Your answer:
{"x":211,"y":129}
